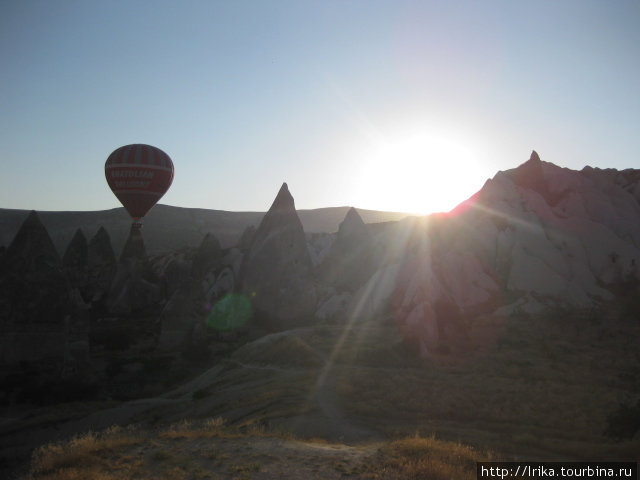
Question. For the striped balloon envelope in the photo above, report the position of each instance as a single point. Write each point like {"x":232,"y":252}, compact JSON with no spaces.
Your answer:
{"x":139,"y":175}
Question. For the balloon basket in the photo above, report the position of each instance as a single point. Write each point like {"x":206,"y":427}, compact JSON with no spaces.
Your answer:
{"x":136,"y":226}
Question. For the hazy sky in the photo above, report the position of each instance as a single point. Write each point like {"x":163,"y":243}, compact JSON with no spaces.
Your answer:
{"x":388,"y":105}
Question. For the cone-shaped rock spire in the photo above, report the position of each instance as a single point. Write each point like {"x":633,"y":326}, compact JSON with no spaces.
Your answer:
{"x":530,"y":174}
{"x":352,"y":228}
{"x":207,"y":255}
{"x":32,"y":246}
{"x":350,"y":261}
{"x":76,"y":255}
{"x":283,"y":210}
{"x":100,"y":251}
{"x":534,"y":156}
{"x":277,"y":270}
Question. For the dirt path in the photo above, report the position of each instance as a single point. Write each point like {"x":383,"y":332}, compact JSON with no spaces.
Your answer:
{"x":259,"y":458}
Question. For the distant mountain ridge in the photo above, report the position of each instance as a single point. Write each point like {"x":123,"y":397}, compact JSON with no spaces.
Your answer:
{"x":167,"y":227}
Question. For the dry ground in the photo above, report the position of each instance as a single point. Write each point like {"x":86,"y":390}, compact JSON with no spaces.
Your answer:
{"x":208,"y":450}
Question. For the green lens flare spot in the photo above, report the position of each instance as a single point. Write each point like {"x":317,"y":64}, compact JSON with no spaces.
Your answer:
{"x":231,"y":311}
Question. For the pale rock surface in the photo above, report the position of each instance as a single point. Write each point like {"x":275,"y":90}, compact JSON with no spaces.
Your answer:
{"x":539,"y":234}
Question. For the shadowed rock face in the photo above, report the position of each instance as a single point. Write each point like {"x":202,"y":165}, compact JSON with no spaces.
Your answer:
{"x":246,"y":238}
{"x":101,"y":267}
{"x":134,"y":248}
{"x":350,"y":261}
{"x":76,"y":255}
{"x":207,"y":256}
{"x":352,"y":231}
{"x":277,"y":270}
{"x":34,"y":297}
{"x":100,"y":251}
{"x":32,"y":248}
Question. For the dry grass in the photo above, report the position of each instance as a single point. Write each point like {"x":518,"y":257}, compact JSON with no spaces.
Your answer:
{"x":81,"y":453}
{"x":199,"y":450}
{"x":420,"y":458}
{"x":213,"y":427}
{"x":179,"y":451}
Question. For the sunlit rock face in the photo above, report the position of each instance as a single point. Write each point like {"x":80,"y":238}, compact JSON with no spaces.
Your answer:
{"x":571,"y":236}
{"x":277,"y":271}
{"x":532,"y":237}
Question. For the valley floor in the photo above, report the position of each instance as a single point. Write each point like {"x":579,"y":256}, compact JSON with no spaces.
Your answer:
{"x":329,"y":401}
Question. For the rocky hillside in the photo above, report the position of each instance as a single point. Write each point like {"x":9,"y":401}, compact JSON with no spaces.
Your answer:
{"x":533,"y":238}
{"x":534,"y":279}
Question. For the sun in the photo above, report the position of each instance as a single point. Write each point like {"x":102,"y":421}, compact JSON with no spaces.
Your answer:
{"x":420,"y":172}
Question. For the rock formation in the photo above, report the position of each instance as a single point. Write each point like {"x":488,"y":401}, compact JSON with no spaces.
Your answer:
{"x":350,"y":261}
{"x":539,"y":235}
{"x":180,"y":316}
{"x":32,"y":248}
{"x":34,"y":297}
{"x":77,"y":254}
{"x":277,"y":273}
{"x":246,"y":238}
{"x":533,"y":238}
{"x":101,"y":267}
{"x":100,"y":251}
{"x":134,"y":248}
{"x":207,"y":255}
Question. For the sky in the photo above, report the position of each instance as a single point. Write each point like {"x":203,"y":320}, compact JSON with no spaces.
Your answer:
{"x":388,"y":105}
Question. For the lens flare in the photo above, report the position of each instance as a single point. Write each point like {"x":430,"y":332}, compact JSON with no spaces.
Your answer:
{"x":230,"y":312}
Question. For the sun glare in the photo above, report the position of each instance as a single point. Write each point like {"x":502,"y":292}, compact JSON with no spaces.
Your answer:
{"x":423,"y":172}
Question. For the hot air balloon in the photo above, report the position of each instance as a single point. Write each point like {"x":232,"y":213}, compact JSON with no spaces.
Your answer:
{"x":139,"y":175}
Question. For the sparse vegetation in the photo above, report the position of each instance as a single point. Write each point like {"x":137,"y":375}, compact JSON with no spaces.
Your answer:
{"x":177,"y":452}
{"x":419,"y":457}
{"x":85,"y":453}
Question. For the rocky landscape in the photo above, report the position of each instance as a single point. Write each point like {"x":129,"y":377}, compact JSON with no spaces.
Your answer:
{"x":510,"y":323}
